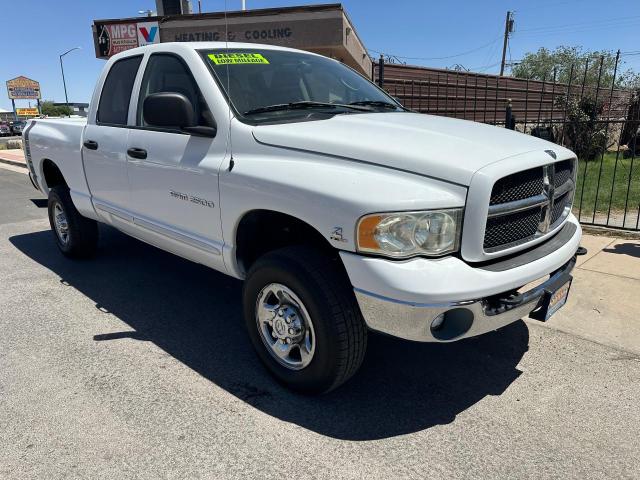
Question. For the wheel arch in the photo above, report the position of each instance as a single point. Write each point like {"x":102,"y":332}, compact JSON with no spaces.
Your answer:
{"x":51,"y":174}
{"x":260,"y":231}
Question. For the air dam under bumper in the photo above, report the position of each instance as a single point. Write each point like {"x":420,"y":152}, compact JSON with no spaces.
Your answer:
{"x":404,"y":298}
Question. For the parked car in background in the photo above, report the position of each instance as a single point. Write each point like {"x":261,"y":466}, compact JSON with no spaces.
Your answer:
{"x":18,"y":126}
{"x":5,"y":130}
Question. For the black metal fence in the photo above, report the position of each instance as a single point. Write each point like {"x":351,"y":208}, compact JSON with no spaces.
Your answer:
{"x":587,"y":113}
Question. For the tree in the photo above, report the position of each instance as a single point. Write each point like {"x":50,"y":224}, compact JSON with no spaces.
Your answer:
{"x":540,"y":65}
{"x":49,"y":109}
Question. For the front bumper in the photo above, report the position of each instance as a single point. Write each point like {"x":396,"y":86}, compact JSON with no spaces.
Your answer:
{"x":403,"y":298}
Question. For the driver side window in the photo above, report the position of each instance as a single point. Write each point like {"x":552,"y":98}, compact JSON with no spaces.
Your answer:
{"x":167,"y":73}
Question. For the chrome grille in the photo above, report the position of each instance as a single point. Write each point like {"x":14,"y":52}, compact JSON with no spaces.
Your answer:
{"x":559,"y":205}
{"x":526,"y":205}
{"x":512,"y":228}
{"x":509,"y":189}
{"x":563,"y":172}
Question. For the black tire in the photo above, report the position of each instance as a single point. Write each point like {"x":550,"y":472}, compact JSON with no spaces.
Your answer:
{"x":82,"y":233}
{"x":320,"y":282}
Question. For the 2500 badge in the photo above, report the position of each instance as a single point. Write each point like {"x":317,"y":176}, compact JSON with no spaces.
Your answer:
{"x":192,"y":198}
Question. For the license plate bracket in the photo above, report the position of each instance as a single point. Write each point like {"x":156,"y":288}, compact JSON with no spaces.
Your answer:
{"x":552,"y":300}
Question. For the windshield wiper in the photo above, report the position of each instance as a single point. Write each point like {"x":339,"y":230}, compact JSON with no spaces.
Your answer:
{"x":376,"y":103}
{"x":303,"y":106}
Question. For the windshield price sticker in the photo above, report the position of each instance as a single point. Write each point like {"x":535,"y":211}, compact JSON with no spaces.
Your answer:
{"x":237,"y":58}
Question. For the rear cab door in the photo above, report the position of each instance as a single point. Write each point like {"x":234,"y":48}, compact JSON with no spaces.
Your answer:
{"x":105,"y":140}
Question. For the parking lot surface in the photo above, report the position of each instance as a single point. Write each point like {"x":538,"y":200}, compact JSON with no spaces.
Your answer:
{"x":135,"y":364}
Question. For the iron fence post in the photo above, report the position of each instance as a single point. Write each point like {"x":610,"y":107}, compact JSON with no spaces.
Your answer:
{"x":594,"y":132}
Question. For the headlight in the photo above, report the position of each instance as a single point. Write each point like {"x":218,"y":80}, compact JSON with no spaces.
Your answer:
{"x":407,"y":234}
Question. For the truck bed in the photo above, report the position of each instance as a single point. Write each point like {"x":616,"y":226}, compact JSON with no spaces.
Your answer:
{"x":58,"y":140}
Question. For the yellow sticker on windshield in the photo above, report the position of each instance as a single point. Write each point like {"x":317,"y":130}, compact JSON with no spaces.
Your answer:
{"x":237,"y":58}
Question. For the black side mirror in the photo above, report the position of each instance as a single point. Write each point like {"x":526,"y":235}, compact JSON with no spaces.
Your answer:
{"x":171,"y":109}
{"x":168,"y":109}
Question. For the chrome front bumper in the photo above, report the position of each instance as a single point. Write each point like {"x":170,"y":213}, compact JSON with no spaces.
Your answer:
{"x":413,"y":321}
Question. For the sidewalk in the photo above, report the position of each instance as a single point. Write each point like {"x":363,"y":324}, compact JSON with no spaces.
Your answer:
{"x":13,"y":157}
{"x":603,"y":301}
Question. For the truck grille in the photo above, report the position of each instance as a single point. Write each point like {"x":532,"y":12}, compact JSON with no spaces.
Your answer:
{"x":510,"y":228}
{"x":516,"y":187}
{"x":528,"y":204}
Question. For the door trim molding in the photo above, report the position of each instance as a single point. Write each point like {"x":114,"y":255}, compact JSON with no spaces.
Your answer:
{"x":165,"y":231}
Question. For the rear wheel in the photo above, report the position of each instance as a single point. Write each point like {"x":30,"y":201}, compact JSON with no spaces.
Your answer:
{"x":303,"y":319}
{"x":76,"y":236}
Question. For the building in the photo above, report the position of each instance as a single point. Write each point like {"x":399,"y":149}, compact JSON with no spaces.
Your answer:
{"x":323,"y":29}
{"x":6,"y":115}
{"x":174,"y":7}
{"x":80,"y":109}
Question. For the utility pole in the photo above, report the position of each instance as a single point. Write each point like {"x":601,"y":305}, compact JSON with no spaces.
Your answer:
{"x":508,"y":28}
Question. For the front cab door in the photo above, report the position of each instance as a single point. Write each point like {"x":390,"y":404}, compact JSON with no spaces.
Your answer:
{"x":173,"y":175}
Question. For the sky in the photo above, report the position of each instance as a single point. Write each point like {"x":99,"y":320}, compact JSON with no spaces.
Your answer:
{"x":33,"y":33}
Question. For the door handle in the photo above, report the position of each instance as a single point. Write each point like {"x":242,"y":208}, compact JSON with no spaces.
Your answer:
{"x":140,"y":153}
{"x":91,"y":144}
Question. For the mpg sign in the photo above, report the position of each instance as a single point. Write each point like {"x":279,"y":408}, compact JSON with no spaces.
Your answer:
{"x":112,"y":38}
{"x":23,"y":88}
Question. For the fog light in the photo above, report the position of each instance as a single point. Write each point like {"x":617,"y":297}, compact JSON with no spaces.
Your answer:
{"x":437,"y":322}
{"x":452,"y":324}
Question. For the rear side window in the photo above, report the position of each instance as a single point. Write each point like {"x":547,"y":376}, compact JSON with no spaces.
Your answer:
{"x":116,"y":91}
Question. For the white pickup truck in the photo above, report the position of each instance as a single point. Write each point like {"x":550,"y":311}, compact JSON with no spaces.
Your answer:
{"x":341,"y":210}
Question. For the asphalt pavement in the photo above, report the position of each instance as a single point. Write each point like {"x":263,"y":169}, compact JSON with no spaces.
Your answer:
{"x":135,"y":364}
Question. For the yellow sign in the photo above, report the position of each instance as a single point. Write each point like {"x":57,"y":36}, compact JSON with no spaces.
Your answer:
{"x":27,"y":112}
{"x":23,"y":88}
{"x":237,"y":58}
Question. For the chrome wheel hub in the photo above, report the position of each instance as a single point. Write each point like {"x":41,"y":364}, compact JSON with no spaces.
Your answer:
{"x":285,"y":326}
{"x":60,"y":223}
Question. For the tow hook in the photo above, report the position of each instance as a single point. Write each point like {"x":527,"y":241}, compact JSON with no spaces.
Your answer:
{"x":581,"y":251}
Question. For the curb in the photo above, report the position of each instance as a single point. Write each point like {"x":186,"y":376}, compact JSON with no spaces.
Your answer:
{"x":610,"y":232}
{"x":15,"y":163}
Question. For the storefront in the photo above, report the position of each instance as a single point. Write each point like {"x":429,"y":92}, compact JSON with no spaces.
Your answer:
{"x":323,"y":29}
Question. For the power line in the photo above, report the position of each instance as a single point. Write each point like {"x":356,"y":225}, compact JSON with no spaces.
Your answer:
{"x":491,"y":52}
{"x":438,"y":58}
{"x":483,"y":68}
{"x":576,"y":30}
{"x":552,"y":3}
{"x":604,"y":22}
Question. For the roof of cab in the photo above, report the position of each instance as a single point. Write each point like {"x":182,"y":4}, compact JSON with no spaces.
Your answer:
{"x":182,"y":46}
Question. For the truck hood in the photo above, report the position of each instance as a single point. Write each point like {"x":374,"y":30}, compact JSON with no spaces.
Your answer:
{"x":439,"y":147}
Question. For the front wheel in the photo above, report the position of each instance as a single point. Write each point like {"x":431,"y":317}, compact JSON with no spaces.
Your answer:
{"x":303,"y":319}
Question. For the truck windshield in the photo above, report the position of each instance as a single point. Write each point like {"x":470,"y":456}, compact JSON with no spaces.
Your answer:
{"x":276,"y":85}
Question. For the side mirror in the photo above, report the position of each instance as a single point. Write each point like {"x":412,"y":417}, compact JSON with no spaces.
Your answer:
{"x":171,"y":109}
{"x":168,"y":109}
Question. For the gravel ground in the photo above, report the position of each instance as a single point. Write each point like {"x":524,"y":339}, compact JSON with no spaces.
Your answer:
{"x":135,"y":365}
